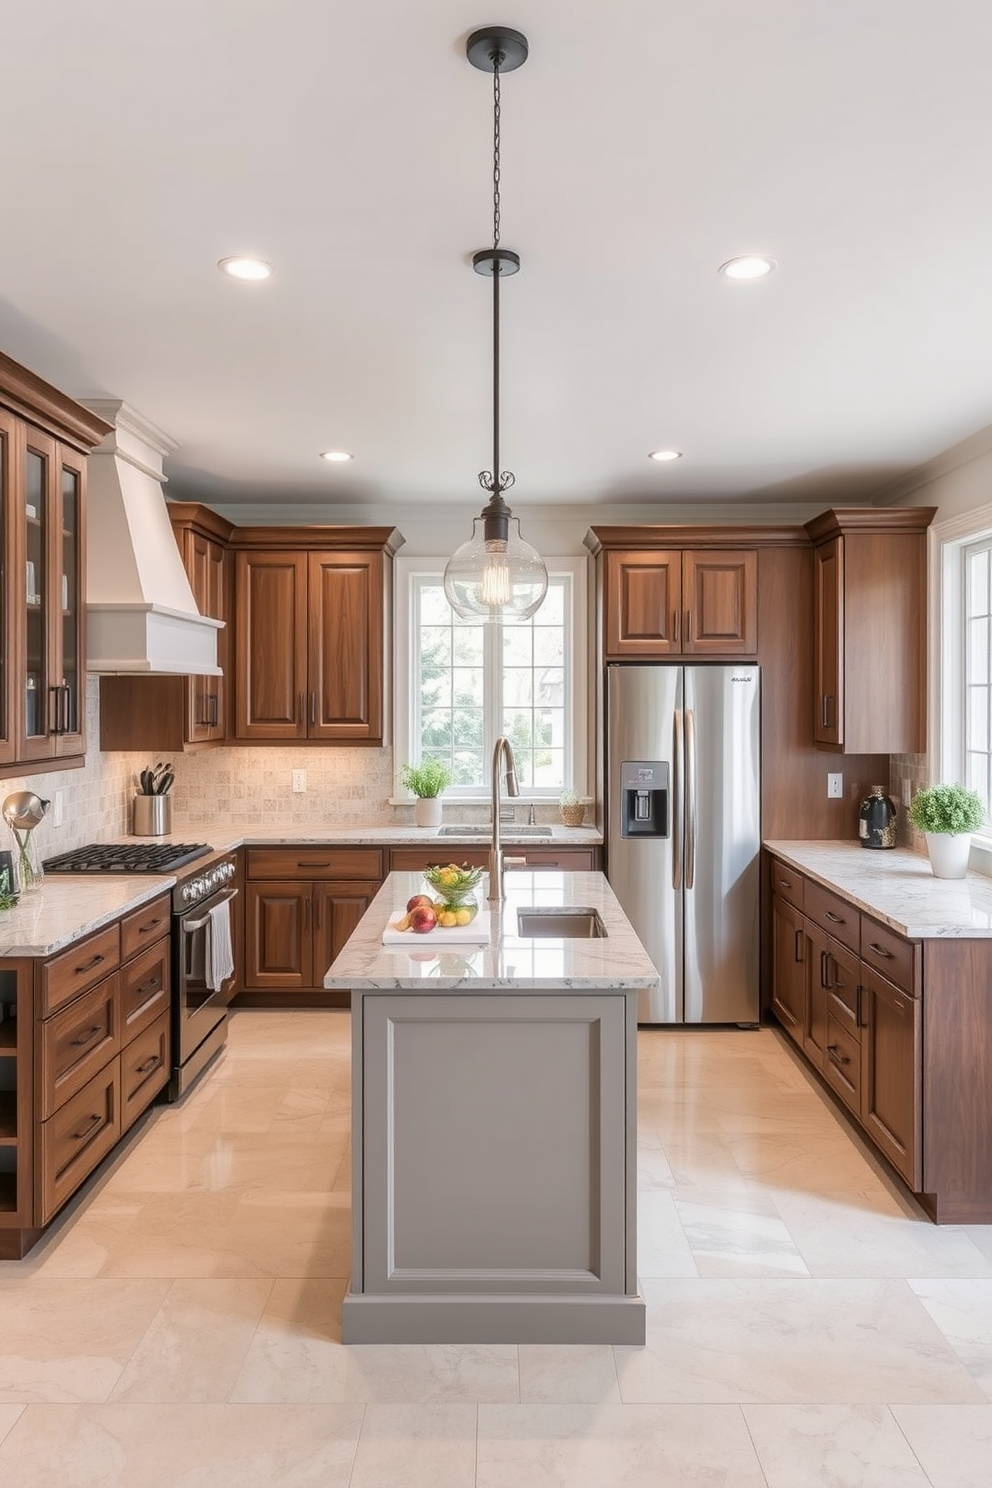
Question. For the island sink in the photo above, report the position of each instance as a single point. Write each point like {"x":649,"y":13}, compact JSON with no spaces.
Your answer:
{"x":558,"y":923}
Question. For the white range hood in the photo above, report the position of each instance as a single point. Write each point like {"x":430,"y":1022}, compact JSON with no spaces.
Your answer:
{"x":140,"y":611}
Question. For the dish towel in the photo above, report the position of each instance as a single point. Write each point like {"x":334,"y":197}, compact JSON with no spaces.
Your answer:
{"x":219,"y":951}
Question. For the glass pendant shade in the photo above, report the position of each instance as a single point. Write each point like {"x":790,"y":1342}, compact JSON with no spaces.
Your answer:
{"x":495,"y":578}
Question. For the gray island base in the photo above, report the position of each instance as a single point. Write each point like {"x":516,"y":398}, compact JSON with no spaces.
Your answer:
{"x":494,"y":1126}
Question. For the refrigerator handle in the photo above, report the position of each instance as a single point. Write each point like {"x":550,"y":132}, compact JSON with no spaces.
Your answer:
{"x":676,"y":798}
{"x":690,"y":798}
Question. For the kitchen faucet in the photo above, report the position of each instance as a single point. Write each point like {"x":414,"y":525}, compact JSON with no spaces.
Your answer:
{"x":502,"y":748}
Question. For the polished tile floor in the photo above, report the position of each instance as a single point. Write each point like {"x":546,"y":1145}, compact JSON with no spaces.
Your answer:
{"x":807,"y":1327}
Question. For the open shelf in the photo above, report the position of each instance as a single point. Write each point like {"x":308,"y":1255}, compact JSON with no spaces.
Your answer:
{"x":8,"y":1039}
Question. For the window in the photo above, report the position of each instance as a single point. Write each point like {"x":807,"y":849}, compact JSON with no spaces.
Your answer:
{"x":462,"y":683}
{"x":961,"y":708}
{"x":977,"y":739}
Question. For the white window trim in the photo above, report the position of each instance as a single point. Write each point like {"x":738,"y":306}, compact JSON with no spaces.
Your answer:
{"x":577,"y":680}
{"x":945,"y":713}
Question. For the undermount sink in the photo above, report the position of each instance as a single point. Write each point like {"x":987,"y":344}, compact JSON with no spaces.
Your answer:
{"x":560,"y":924}
{"x":480,"y":829}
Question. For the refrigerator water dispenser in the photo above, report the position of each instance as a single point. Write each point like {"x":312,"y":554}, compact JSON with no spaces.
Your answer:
{"x":644,"y":798}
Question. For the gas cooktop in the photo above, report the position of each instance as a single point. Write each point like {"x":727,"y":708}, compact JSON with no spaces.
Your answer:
{"x":127,"y":857}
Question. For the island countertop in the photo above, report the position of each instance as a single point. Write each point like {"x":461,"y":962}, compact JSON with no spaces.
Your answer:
{"x":897,"y":887}
{"x":518,"y":963}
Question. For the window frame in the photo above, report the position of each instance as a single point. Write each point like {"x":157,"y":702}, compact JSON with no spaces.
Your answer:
{"x":577,"y":681}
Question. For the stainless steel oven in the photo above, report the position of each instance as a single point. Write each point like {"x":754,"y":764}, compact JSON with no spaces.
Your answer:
{"x":200,"y":991}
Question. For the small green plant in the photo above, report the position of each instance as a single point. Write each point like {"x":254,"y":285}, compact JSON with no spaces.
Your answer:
{"x":569,"y":798}
{"x":7,"y":896}
{"x":427,"y":779}
{"x":947,"y":808}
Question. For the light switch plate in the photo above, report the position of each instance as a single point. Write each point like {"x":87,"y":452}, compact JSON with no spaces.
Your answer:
{"x":835,"y":787}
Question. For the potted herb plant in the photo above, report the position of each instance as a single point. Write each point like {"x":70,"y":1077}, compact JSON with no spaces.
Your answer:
{"x":570,"y":808}
{"x":947,"y":815}
{"x":427,"y":780}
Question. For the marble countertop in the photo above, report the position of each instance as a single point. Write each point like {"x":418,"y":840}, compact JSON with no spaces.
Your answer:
{"x":64,"y":909}
{"x":402,"y":836}
{"x":897,"y":887}
{"x":518,"y":963}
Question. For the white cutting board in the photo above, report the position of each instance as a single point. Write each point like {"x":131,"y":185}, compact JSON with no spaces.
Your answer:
{"x":477,"y":933}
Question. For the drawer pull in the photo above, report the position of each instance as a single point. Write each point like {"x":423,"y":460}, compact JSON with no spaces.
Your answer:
{"x":836,"y":1056}
{"x":149,"y":1065}
{"x":825,"y":969}
{"x":312,"y":865}
{"x":880,"y":951}
{"x":150,"y":985}
{"x":785,"y":883}
{"x":837,"y":919}
{"x":88,"y":1129}
{"x":89,"y":965}
{"x":899,"y":1004}
{"x":87,"y":1037}
{"x":799,"y":945}
{"x":147,"y":929}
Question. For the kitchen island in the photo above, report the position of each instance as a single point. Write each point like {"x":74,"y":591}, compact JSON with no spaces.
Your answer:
{"x":494,"y":1123}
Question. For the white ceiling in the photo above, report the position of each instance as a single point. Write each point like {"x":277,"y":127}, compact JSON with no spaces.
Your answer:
{"x":644,"y":143}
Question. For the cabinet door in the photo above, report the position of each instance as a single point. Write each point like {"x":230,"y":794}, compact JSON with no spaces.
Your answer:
{"x":68,"y":704}
{"x":345,"y":699}
{"x":337,"y":909}
{"x":642,"y":604}
{"x":206,"y":565}
{"x":9,"y":516}
{"x":278,"y":935}
{"x":32,"y":578}
{"x":790,"y":968}
{"x":891,"y":1074}
{"x":828,"y":724}
{"x":720,"y":599}
{"x":271,"y":696}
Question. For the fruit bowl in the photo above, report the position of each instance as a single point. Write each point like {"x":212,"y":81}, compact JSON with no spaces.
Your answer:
{"x":456,"y":903}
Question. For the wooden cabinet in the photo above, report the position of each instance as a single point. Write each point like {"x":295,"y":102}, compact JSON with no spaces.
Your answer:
{"x":661,"y":603}
{"x":312,"y":634}
{"x":44,"y":440}
{"x":173,"y":713}
{"x":301,"y":905}
{"x":891,"y":1073}
{"x":870,"y":629}
{"x":84,"y":1049}
{"x":562,"y":859}
{"x":790,"y":961}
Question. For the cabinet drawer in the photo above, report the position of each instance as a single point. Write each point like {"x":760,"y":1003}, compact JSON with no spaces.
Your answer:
{"x":315,"y":862}
{"x":81,"y":966}
{"x":76,"y":1043}
{"x":839,"y":973}
{"x":889,"y":953}
{"x":144,"y":1069}
{"x":77,"y":1138}
{"x":144,"y":925}
{"x":567,"y":859}
{"x":842,"y":1065}
{"x":145,"y":985}
{"x":787,"y":883}
{"x":834,"y":914}
{"x":416,"y":859}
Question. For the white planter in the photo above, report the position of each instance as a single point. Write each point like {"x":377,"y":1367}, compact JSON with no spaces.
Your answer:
{"x":427,"y":811}
{"x":948,"y":853}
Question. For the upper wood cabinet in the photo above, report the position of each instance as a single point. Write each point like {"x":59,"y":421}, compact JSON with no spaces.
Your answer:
{"x":45,"y":438}
{"x":173,"y":712}
{"x":312,"y":635}
{"x":870,"y":629}
{"x":680,"y":602}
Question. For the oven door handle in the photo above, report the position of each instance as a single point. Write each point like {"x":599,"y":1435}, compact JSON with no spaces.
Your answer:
{"x":191,"y":926}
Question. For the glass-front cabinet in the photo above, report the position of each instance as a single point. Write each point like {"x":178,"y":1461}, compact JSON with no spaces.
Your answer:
{"x":8,"y":448}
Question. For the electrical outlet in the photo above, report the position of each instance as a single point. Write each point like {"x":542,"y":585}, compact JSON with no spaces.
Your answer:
{"x":299,"y":782}
{"x":835,"y":787}
{"x":58,"y":808}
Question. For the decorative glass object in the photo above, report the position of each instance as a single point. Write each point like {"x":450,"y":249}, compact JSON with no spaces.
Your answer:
{"x":456,"y":901}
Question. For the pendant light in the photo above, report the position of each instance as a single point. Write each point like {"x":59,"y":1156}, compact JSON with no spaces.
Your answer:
{"x":496,"y":575}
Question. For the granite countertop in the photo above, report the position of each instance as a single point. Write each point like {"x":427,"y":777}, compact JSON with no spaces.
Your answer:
{"x":64,"y":909}
{"x":617,"y":961}
{"x":897,"y":887}
{"x":402,"y":836}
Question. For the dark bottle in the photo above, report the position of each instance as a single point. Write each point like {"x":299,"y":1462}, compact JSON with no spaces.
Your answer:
{"x":877,"y":820}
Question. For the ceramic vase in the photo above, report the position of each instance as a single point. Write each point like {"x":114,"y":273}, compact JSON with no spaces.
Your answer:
{"x":427,"y":811}
{"x":948,"y":853}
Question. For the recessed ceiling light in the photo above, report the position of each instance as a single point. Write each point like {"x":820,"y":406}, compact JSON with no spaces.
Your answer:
{"x":662,"y":455}
{"x":751,"y":266}
{"x":245,"y":268}
{"x":335,"y":457}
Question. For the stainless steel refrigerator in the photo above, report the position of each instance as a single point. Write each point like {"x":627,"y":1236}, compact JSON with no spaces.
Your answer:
{"x":683,"y":829}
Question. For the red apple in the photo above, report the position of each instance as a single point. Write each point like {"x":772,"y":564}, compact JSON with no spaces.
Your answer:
{"x":423,"y":918}
{"x":418,"y":899}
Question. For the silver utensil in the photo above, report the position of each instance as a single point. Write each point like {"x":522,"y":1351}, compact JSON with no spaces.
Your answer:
{"x":24,"y":810}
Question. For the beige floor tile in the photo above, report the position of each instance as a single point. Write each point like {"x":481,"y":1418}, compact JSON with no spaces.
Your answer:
{"x":952,"y":1442}
{"x":181,"y":1446}
{"x":662,"y":1248}
{"x":421,"y":1446}
{"x":9,"y":1415}
{"x":196,"y":1343}
{"x":832,"y":1446}
{"x":962,"y":1310}
{"x":790,"y":1341}
{"x":838,"y":1238}
{"x":611,"y":1446}
{"x":69,"y":1339}
{"x":729,"y":1240}
{"x":556,"y":1374}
